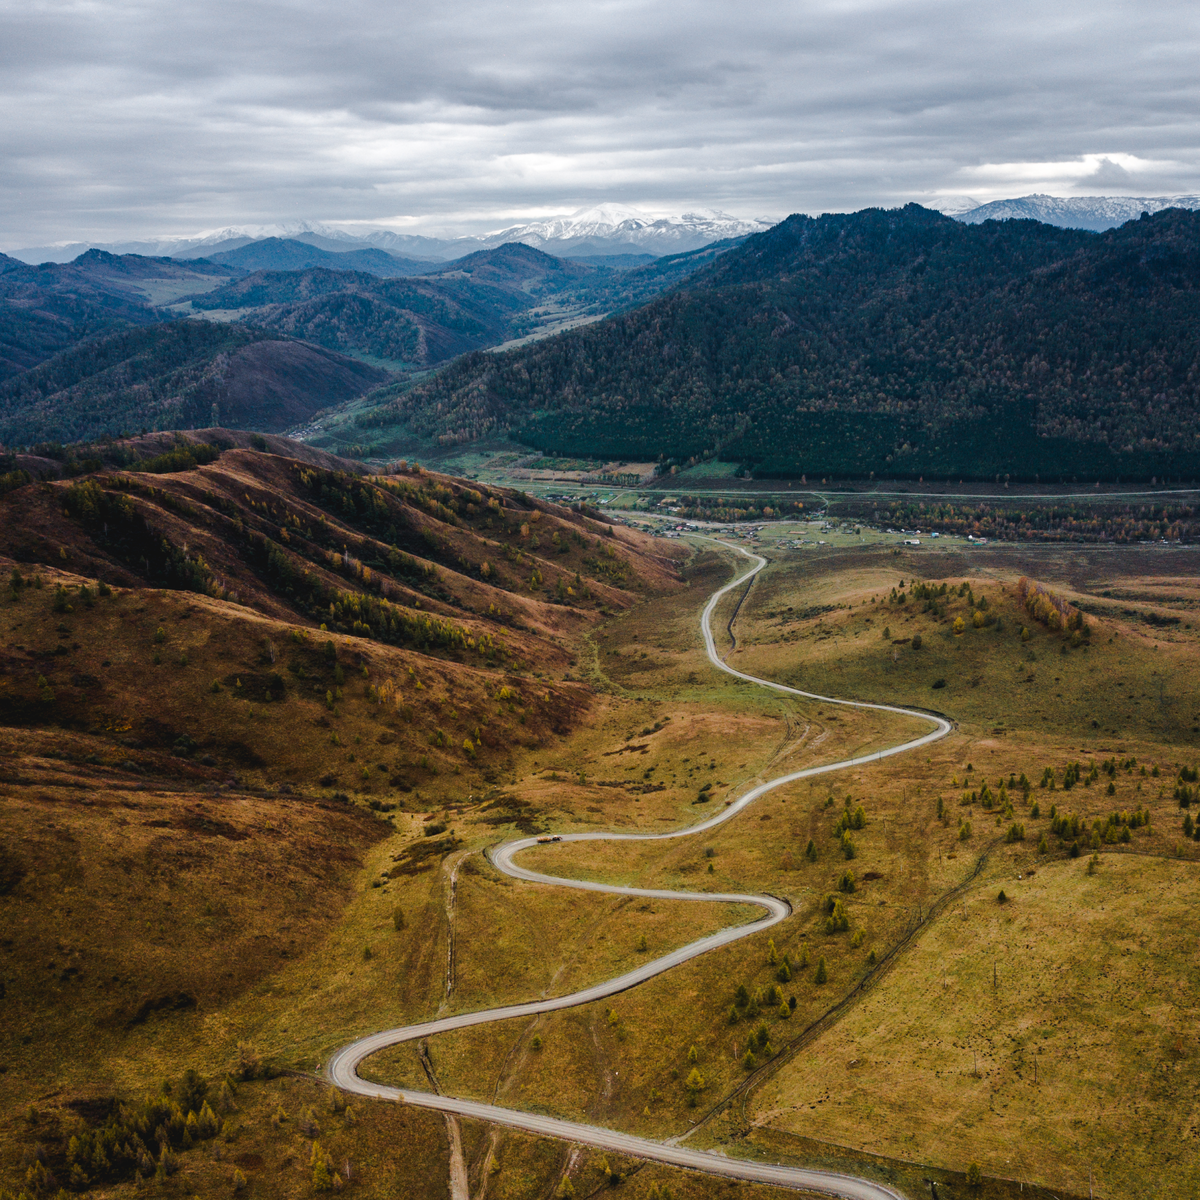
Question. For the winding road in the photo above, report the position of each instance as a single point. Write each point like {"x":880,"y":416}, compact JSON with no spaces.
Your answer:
{"x":342,"y":1069}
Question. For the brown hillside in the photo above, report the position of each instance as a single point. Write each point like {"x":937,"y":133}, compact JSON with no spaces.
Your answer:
{"x":275,"y":385}
{"x":261,"y":580}
{"x":221,"y":688}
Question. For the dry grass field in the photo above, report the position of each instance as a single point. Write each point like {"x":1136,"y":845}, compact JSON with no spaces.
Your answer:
{"x":207,"y":877}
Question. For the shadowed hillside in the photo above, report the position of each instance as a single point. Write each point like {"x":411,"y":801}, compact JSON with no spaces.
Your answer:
{"x":179,"y":374}
{"x":902,"y":343}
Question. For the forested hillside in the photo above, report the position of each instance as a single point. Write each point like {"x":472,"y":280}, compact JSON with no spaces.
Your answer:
{"x":896,"y":342}
{"x":74,"y":366}
{"x":177,"y":375}
{"x":475,"y":302}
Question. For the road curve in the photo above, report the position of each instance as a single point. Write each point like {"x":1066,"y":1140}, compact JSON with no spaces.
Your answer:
{"x":342,"y":1069}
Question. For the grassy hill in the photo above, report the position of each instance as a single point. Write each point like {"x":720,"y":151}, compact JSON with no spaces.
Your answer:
{"x":243,"y":801}
{"x":901,"y":343}
{"x":229,"y":695}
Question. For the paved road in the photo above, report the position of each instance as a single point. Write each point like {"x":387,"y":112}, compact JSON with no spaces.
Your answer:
{"x":342,"y":1069}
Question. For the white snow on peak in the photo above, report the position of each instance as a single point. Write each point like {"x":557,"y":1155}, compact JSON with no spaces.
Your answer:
{"x":613,"y":228}
{"x":607,"y":228}
{"x":1074,"y":212}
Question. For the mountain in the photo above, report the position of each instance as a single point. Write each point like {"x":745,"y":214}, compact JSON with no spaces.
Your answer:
{"x":47,"y":308}
{"x":605,"y":229}
{"x":619,"y":229}
{"x":288,"y":254}
{"x":223,"y":686}
{"x":896,"y":342}
{"x":179,"y":374}
{"x":1096,"y":213}
{"x":477,"y":301}
{"x":199,"y":245}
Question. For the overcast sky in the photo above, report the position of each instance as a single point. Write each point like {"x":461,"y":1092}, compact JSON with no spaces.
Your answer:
{"x":121,"y":118}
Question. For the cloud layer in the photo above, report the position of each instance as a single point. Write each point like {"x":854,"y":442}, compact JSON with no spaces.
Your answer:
{"x":129,"y":117}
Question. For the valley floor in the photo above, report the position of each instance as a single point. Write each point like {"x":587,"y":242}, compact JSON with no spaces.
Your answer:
{"x":1007,"y":984}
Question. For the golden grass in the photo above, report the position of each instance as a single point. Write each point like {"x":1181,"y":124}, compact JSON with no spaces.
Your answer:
{"x":668,"y":724}
{"x":1048,"y":1039}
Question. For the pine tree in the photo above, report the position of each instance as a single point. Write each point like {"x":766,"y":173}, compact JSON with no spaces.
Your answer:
{"x":810,"y":851}
{"x":822,"y":973}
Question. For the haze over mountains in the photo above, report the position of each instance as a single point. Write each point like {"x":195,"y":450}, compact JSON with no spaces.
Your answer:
{"x":605,"y":229}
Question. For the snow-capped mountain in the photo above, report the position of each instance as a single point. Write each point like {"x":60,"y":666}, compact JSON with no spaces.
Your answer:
{"x":619,"y":229}
{"x":1074,"y":212}
{"x":604,"y":229}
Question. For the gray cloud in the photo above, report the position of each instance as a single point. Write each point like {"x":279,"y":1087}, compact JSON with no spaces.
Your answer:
{"x":125,"y":117}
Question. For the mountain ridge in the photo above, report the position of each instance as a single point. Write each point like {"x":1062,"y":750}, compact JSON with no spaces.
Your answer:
{"x":601,"y":229}
{"x":1095,"y":213}
{"x":899,"y":342}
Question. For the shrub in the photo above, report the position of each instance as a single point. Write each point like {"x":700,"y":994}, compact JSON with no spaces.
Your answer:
{"x":1002,"y":898}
